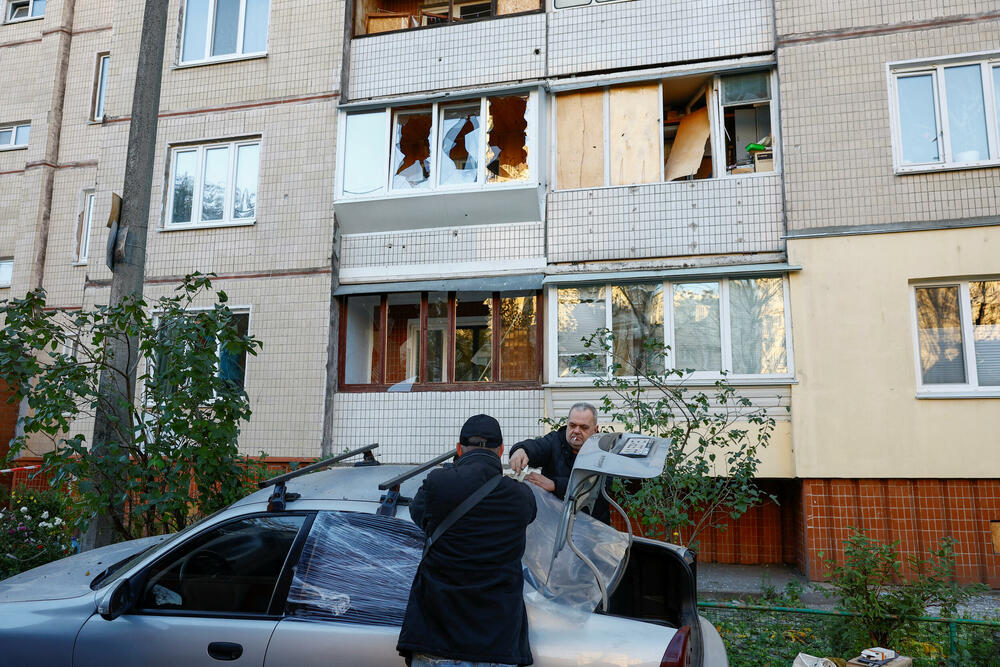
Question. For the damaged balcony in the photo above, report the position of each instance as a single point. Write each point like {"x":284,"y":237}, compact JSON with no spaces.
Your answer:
{"x":442,"y":164}
{"x":406,"y":47}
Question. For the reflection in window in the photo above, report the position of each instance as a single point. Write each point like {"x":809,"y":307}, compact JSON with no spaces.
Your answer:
{"x":697,"y":337}
{"x":940,"y":334}
{"x":757,"y":321}
{"x":507,"y":149}
{"x":437,"y":337}
{"x":582,"y":311}
{"x":224,"y":28}
{"x":212,"y":572}
{"x":984,"y":300}
{"x":518,"y":339}
{"x":637,"y":317}
{"x":459,"y":144}
{"x":473,"y":337}
{"x":402,"y":346}
{"x":411,"y":150}
{"x":919,"y":121}
{"x":232,"y":366}
{"x":214,"y":184}
{"x":966,"y":113}
{"x":361,"y":354}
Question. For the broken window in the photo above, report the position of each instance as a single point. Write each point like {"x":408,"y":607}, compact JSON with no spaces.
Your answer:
{"x":746,"y":111}
{"x":687,"y":135}
{"x":377,"y":16}
{"x":580,"y":139}
{"x":634,"y":134}
{"x":460,"y":143}
{"x":439,"y":337}
{"x":411,"y":150}
{"x":507,"y":150}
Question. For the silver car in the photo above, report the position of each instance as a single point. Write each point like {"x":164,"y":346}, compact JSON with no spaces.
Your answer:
{"x":316,"y":570}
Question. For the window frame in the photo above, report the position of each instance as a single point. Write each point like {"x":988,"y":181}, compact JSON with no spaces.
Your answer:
{"x":386,"y":191}
{"x":210,"y":37}
{"x":98,"y":97}
{"x":85,"y":223}
{"x":696,"y":377}
{"x":7,"y":261}
{"x":360,"y":21}
{"x":276,"y":607}
{"x":13,"y":127}
{"x":449,"y":383}
{"x":200,"y":148}
{"x":716,"y":111}
{"x":987,"y":62}
{"x":8,"y":7}
{"x":971,"y":387}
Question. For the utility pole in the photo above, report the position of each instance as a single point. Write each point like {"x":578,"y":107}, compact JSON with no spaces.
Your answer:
{"x":113,"y":422}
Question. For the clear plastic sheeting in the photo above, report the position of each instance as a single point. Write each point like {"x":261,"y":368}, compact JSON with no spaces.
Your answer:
{"x":568,"y":581}
{"x":356,"y":568}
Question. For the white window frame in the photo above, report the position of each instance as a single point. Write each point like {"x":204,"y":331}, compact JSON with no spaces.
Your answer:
{"x":85,"y":225}
{"x":8,"y":10}
{"x":708,"y":377}
{"x":716,"y":124}
{"x":5,"y":262}
{"x":935,"y":68}
{"x":99,"y":97}
{"x":387,"y":191}
{"x":236,"y":310}
{"x":971,"y":388}
{"x":228,"y":220}
{"x":210,"y":35}
{"x":13,"y":137}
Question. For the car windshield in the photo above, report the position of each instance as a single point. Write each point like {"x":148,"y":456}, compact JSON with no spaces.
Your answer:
{"x":113,"y":571}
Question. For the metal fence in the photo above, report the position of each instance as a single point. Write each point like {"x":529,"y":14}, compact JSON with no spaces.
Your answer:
{"x":755,"y":632}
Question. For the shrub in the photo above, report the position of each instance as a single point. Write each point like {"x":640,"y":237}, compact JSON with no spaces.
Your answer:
{"x":33,"y":531}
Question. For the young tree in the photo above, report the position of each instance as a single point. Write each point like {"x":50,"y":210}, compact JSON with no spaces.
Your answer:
{"x":176,"y":457}
{"x":716,"y":433}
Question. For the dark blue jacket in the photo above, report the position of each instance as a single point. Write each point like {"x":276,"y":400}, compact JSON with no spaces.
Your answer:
{"x":555,"y":457}
{"x":466,"y":602}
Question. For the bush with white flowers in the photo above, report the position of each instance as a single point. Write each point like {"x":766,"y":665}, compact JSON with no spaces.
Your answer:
{"x":32,"y":532}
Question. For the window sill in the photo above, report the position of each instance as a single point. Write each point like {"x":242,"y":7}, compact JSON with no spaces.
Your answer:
{"x":220,"y":60}
{"x":24,"y":20}
{"x":959,"y":394}
{"x":214,"y":225}
{"x":930,"y":169}
{"x":18,"y":147}
{"x":79,"y":263}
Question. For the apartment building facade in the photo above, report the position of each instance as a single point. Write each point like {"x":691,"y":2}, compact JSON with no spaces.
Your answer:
{"x":891,"y":201}
{"x":421,"y":208}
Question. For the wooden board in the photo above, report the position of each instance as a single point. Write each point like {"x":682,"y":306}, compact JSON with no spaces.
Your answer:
{"x":689,"y":145}
{"x":515,"y":6}
{"x":580,"y":139}
{"x":636,"y":142}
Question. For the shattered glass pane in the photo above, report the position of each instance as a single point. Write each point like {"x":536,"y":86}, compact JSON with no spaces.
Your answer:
{"x":507,"y":150}
{"x":460,"y":144}
{"x":411,"y":150}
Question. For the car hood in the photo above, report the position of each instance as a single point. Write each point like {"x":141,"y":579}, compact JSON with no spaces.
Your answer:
{"x":69,"y":577}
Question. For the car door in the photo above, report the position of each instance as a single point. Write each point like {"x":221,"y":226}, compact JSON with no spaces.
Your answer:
{"x":209,"y":600}
{"x":348,"y":593}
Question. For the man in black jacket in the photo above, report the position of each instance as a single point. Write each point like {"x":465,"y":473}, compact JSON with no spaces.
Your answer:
{"x":466,"y":603}
{"x":555,"y":454}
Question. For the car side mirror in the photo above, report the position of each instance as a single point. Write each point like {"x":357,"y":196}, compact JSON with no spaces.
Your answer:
{"x":119,"y":599}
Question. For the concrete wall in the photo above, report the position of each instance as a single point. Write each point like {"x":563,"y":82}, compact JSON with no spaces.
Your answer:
{"x":856,"y":412}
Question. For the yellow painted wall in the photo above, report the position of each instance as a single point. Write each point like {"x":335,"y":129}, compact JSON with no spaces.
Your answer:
{"x":854,"y":409}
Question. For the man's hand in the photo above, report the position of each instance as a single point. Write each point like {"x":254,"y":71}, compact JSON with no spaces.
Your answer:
{"x":540,"y":481}
{"x":519,"y":461}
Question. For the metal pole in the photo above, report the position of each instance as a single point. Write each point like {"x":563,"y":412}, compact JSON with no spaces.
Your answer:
{"x":117,"y":388}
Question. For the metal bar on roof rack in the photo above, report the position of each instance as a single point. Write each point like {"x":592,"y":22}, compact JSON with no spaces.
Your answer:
{"x":413,"y":472}
{"x":319,"y":465}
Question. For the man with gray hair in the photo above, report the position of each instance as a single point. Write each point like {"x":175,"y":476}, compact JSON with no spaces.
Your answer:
{"x":556,"y":452}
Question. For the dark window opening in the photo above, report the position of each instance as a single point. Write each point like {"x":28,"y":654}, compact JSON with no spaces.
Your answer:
{"x":378,"y":16}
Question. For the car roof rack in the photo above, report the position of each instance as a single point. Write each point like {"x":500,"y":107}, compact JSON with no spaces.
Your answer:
{"x":391,"y":498}
{"x":280,"y":497}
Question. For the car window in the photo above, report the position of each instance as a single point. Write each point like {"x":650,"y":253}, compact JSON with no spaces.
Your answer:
{"x":356,"y":568}
{"x":233,"y":568}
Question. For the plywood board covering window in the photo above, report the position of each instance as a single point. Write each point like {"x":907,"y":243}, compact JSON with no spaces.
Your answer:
{"x":635,"y":134}
{"x":580,"y":126}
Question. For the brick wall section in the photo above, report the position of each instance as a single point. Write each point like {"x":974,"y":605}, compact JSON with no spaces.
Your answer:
{"x":705,"y":217}
{"x":918,"y":513}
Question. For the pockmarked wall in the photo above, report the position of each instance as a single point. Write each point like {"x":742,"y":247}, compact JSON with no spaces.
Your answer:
{"x":856,"y":412}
